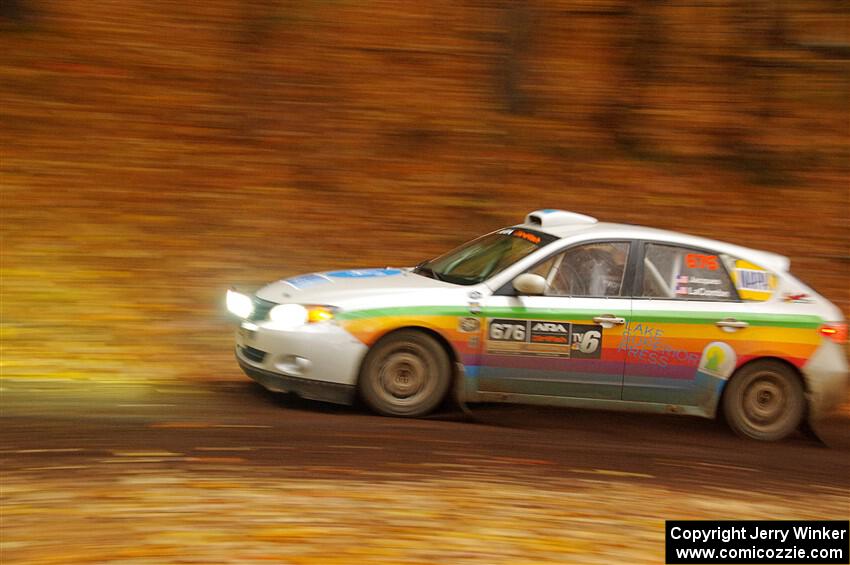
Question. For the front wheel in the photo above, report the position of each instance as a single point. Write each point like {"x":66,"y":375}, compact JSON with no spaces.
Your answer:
{"x":407,"y":373}
{"x":764,"y":401}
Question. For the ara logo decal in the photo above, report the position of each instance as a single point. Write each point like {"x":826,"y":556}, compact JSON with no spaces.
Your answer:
{"x":549,"y":327}
{"x":553,"y":333}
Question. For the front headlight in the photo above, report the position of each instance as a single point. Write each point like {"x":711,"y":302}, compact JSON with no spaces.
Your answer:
{"x":239,"y":304}
{"x":289,"y":316}
{"x":286,"y":316}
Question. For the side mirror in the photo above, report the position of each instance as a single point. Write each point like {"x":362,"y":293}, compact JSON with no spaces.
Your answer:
{"x":529,"y":283}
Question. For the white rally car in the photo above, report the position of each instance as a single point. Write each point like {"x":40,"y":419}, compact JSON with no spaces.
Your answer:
{"x":559,"y":310}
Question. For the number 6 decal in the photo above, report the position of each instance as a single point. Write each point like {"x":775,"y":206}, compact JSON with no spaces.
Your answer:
{"x":590,"y":342}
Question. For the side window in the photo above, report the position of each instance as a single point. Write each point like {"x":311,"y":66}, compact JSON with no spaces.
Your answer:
{"x":544,"y":269}
{"x":680,"y":273}
{"x":594,"y":269}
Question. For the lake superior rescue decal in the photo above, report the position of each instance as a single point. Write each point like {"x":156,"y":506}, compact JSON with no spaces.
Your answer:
{"x":543,"y":337}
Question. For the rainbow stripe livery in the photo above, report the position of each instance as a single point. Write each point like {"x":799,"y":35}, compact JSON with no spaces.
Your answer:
{"x":560,"y":310}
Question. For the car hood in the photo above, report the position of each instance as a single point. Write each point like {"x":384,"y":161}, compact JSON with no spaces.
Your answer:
{"x":339,"y":288}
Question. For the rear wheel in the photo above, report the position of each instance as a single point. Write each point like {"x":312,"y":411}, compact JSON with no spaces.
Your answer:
{"x":407,"y":373}
{"x":764,"y":401}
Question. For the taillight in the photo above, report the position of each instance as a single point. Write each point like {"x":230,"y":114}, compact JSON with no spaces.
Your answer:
{"x":836,"y":331}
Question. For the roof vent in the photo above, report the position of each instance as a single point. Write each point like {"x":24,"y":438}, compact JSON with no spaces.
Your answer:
{"x":550,"y":218}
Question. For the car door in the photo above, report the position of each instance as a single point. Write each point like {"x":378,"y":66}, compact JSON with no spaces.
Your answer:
{"x":689,"y":327}
{"x":562,"y":343}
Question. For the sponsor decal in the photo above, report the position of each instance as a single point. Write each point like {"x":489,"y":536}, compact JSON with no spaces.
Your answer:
{"x":544,"y":337}
{"x":586,"y":341}
{"x":522,"y":234}
{"x":550,"y":332}
{"x":644,"y":343}
{"x":468,"y":325}
{"x":718,"y":359}
{"x":753,"y":282}
{"x":535,"y":239}
{"x":749,"y":279}
{"x":305,"y":281}
{"x":798,"y":298}
{"x":364,"y":273}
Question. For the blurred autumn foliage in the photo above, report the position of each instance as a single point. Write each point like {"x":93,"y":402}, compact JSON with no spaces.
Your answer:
{"x":155,"y":152}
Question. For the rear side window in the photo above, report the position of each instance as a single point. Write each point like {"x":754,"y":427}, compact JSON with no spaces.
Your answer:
{"x":680,"y":273}
{"x":752,"y":281}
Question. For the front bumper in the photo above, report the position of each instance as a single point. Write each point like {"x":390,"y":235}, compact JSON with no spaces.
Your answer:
{"x":317,"y":361}
{"x":305,"y":388}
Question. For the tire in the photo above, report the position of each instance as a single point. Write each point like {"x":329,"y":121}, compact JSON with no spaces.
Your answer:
{"x":764,"y":401}
{"x":407,"y":373}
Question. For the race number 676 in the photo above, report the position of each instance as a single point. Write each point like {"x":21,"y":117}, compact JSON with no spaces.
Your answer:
{"x":507,"y":332}
{"x":700,"y":261}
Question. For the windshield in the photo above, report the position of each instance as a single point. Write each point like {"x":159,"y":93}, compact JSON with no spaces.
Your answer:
{"x":480,"y":259}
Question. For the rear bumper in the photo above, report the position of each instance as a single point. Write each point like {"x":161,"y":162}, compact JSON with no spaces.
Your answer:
{"x":826,"y":375}
{"x":305,"y":388}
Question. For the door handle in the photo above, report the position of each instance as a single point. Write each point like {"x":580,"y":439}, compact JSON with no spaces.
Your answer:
{"x":731,"y":323}
{"x":609,"y":319}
